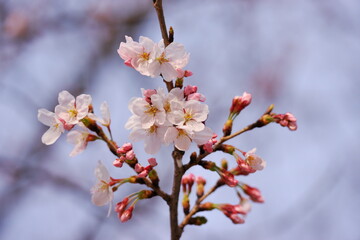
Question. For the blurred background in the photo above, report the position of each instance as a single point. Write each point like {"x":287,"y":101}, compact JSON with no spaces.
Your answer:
{"x":303,"y":56}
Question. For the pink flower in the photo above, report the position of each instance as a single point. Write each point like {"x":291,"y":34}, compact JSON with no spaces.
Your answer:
{"x":286,"y":120}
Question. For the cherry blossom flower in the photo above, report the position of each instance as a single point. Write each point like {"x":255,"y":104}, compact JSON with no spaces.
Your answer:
{"x":149,"y":114}
{"x":105,"y":114}
{"x":80,"y":139}
{"x":153,"y":136}
{"x":56,"y":126}
{"x":102,"y":192}
{"x":168,"y":60}
{"x":254,"y":161}
{"x":137,"y":54}
{"x":182,"y":137}
{"x":191,"y":116}
{"x":72,"y":110}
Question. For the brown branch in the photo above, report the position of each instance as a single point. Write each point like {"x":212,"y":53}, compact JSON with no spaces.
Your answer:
{"x":174,"y":199}
{"x":160,"y":13}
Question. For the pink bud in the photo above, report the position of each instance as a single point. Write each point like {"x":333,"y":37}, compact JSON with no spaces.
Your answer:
{"x":121,"y":150}
{"x":239,"y":103}
{"x":148,"y":93}
{"x":127,"y":147}
{"x":127,"y":214}
{"x":200,"y":180}
{"x":190,"y":90}
{"x":130,"y":155}
{"x":187,"y":73}
{"x":253,"y":193}
{"x":197,"y":96}
{"x":236,"y":219}
{"x":117,"y":163}
{"x":120,"y":206}
{"x":152,"y":162}
{"x":229,"y":179}
{"x":143,"y":173}
{"x":139,"y":168}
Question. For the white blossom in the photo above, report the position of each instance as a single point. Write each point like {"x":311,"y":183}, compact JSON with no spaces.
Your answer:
{"x":72,"y":110}
{"x":80,"y":139}
{"x":56,"y":126}
{"x":105,"y":119}
{"x":254,"y":161}
{"x":102,"y":192}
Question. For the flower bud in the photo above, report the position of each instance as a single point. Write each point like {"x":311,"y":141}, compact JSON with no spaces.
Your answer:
{"x":186,"y":204}
{"x":120,"y":206}
{"x":118,"y":163}
{"x":224,"y":164}
{"x":227,"y":128}
{"x":152,"y":162}
{"x":227,"y":149}
{"x":208,"y":165}
{"x":239,"y":103}
{"x":146,"y":194}
{"x":154,"y":177}
{"x":200,"y":181}
{"x":127,"y":214}
{"x":130,"y":155}
{"x":200,"y":220}
{"x":253,"y":193}
{"x":207,"y":206}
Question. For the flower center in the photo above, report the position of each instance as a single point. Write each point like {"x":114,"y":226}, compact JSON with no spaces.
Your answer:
{"x":151,"y":110}
{"x":73,"y":113}
{"x":145,"y":56}
{"x":162,"y":59}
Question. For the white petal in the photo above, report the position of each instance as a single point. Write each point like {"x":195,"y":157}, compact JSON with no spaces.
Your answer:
{"x":101,"y":172}
{"x":152,"y":144}
{"x":101,"y":197}
{"x":168,"y":71}
{"x":65,"y":98}
{"x":51,"y":135}
{"x":46,"y":117}
{"x":170,"y":135}
{"x":203,"y":136}
{"x":182,"y":142}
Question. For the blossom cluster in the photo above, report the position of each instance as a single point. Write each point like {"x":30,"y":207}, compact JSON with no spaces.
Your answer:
{"x":163,"y":118}
{"x":69,"y":113}
{"x":152,"y":59}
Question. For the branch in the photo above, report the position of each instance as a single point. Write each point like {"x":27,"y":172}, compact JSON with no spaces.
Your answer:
{"x":160,"y":13}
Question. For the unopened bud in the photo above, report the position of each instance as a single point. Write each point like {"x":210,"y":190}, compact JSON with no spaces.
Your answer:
{"x":127,"y":214}
{"x":227,"y":148}
{"x":154,"y":177}
{"x":200,"y":220}
{"x":253,"y":193}
{"x":146,"y":194}
{"x":224,"y":164}
{"x":186,"y":204}
{"x":227,"y":128}
{"x":152,"y":162}
{"x":207,"y":206}
{"x":208,"y":165}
